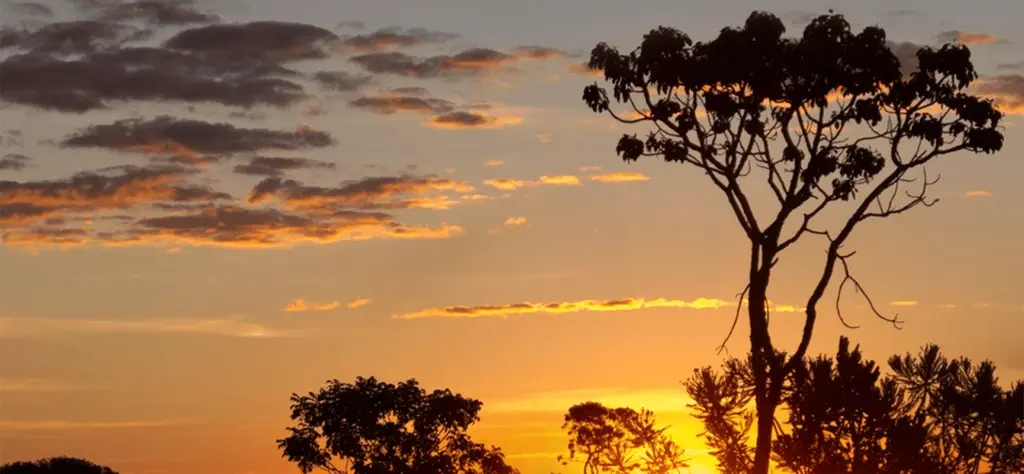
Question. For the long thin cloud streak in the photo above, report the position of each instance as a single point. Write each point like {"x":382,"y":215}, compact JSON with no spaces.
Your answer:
{"x":232,"y":327}
{"x":624,"y":304}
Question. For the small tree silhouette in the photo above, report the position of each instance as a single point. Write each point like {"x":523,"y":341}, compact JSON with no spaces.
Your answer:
{"x":620,"y":441}
{"x":829,"y":117}
{"x":929,"y":416}
{"x":374,"y":427}
{"x":55,"y":465}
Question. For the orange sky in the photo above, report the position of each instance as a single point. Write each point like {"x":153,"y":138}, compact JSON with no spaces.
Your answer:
{"x":462,"y":220}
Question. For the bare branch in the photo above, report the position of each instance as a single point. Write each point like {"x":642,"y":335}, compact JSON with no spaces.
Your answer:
{"x":735,"y":320}
{"x":849,"y":278}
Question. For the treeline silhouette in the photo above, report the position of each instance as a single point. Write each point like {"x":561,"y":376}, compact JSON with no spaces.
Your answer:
{"x":926,"y":414}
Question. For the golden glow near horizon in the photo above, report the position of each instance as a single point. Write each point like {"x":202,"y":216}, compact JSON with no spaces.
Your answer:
{"x":430,"y":200}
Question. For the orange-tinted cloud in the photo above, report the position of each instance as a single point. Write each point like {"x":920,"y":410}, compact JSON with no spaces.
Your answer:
{"x":619,"y":177}
{"x":903,"y":303}
{"x":968,"y":38}
{"x":388,"y":104}
{"x":515,"y":221}
{"x":491,"y":163}
{"x":466,"y":120}
{"x":300,"y":304}
{"x":501,"y":311}
{"x":377,"y":192}
{"x":545,"y":138}
{"x":582,"y":69}
{"x":359,"y":302}
{"x":63,"y":425}
{"x":470,"y":62}
{"x":978,"y":193}
{"x":1007,"y":91}
{"x":395,"y":37}
{"x":509,"y":184}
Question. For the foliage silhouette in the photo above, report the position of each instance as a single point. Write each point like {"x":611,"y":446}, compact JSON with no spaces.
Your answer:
{"x":929,"y":416}
{"x":375,"y":427}
{"x":55,"y":465}
{"x":607,"y":440}
{"x":829,"y":117}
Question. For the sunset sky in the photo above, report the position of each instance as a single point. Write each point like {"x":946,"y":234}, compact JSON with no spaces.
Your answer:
{"x":406,"y":189}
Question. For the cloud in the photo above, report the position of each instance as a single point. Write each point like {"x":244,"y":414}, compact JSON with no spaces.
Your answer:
{"x":501,"y":311}
{"x":353,"y":24}
{"x":8,"y":385}
{"x":299,"y":304}
{"x":493,"y":163}
{"x":396,"y":37}
{"x":62,"y":425}
{"x":97,"y":80}
{"x":273,"y":40}
{"x":906,"y":53}
{"x":509,"y":184}
{"x":375,"y":192}
{"x":116,"y":187}
{"x":464,"y":120}
{"x":545,"y":138}
{"x":660,"y":400}
{"x":587,"y":169}
{"x":239,"y":227}
{"x":1016,"y":65}
{"x":341,"y":81}
{"x":188,"y":138}
{"x":968,"y":38}
{"x":470,"y":62}
{"x":903,"y":303}
{"x":1007,"y":91}
{"x":388,"y":104}
{"x":515,"y":221}
{"x":30,"y":9}
{"x":71,"y":37}
{"x":619,"y":177}
{"x":229,"y":326}
{"x":276,"y":166}
{"x":583,"y":69}
{"x":978,"y":193}
{"x":359,"y":302}
{"x":157,"y":12}
{"x":14,"y":162}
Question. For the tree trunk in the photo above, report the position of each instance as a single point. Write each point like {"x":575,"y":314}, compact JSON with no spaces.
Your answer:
{"x":762,"y":353}
{"x":763,"y":448}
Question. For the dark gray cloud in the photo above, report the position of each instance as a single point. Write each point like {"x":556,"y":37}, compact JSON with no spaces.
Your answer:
{"x":391,"y":104}
{"x":969,"y":38}
{"x":157,"y":12}
{"x":341,"y":81}
{"x":1011,"y":66}
{"x":276,"y":166}
{"x":117,"y":187}
{"x":375,"y":192}
{"x":396,"y":37}
{"x":352,"y":24}
{"x":144,"y":74}
{"x":35,"y":9}
{"x":14,"y":162}
{"x":411,"y":91}
{"x":466,"y":63}
{"x":273,"y":40}
{"x":11,"y":138}
{"x":170,"y":136}
{"x":71,"y":37}
{"x":461,"y":119}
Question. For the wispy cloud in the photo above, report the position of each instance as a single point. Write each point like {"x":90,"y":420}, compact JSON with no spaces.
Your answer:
{"x":492,"y":163}
{"x":545,"y":137}
{"x":660,"y":400}
{"x":620,"y":177}
{"x":229,"y":326}
{"x":969,"y":38}
{"x":359,"y":302}
{"x":1007,"y":91}
{"x":903,"y":303}
{"x":469,"y":120}
{"x":515,"y":221}
{"x":501,"y":311}
{"x":300,"y":304}
{"x":28,"y":385}
{"x":978,"y":193}
{"x":509,"y":184}
{"x":63,"y":425}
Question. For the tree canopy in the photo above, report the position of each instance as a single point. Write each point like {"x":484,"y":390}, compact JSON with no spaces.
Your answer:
{"x":375,"y":427}
{"x":928,"y":415}
{"x":619,"y":440}
{"x":831,"y":116}
{"x":55,"y":465}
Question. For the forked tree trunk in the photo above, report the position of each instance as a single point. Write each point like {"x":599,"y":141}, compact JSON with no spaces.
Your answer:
{"x":761,"y":354}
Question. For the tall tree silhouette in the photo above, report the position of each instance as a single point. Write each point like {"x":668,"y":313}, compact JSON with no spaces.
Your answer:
{"x":55,"y":465}
{"x":825,"y":118}
{"x":374,"y":427}
{"x":620,"y":441}
{"x":928,"y":416}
